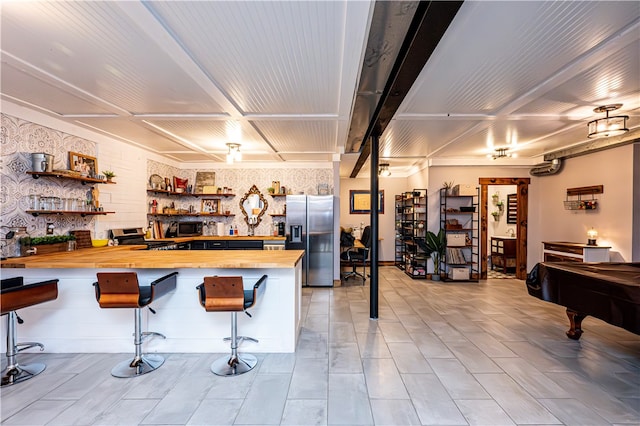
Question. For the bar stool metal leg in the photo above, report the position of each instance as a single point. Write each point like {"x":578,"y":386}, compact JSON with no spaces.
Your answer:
{"x":16,"y":373}
{"x":236,"y":363}
{"x":140,"y":364}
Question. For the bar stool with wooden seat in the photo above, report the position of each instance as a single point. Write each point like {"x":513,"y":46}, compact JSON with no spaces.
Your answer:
{"x":121,"y":290}
{"x":227,"y":294}
{"x":14,"y":295}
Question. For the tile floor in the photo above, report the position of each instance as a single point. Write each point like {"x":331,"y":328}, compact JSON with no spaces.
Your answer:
{"x":440,"y":354}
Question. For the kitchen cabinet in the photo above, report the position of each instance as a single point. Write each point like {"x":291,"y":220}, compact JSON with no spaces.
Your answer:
{"x":411,"y":226}
{"x":459,"y":217}
{"x":228,"y":245}
{"x":503,"y":252}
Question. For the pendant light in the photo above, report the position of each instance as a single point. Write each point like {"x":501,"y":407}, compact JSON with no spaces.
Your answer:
{"x":608,"y":126}
{"x":383,"y":170}
{"x":234,"y":154}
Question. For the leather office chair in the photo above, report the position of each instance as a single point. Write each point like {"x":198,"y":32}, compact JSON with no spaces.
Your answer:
{"x":14,"y":295}
{"x":121,"y":290}
{"x":227,"y":294}
{"x":358,"y":256}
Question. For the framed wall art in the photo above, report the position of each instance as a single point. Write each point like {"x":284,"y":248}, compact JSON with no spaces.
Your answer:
{"x":211,"y":206}
{"x":85,"y":164}
{"x":360,"y":201}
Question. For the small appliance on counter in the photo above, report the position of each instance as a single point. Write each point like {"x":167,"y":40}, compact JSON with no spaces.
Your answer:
{"x":189,"y":229}
{"x":172,"y":230}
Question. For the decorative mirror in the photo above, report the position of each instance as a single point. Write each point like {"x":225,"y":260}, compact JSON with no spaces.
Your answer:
{"x":253,"y":206}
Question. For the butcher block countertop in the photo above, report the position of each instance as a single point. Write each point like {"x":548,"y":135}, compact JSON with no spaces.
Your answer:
{"x":222,"y":237}
{"x":136,"y":257}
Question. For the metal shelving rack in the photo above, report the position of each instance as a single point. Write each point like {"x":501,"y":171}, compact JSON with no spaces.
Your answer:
{"x":411,"y":225}
{"x":460,"y":218}
{"x":399,"y":241}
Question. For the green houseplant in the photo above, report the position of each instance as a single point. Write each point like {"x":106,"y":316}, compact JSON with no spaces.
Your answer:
{"x":434,"y":246}
{"x":109,"y":175}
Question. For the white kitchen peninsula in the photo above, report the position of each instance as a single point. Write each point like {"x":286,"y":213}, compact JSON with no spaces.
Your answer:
{"x":75,"y":323}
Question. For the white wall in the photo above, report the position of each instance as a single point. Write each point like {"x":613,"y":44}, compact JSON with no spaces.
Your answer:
{"x":463,"y":175}
{"x":549,"y":221}
{"x":386,"y":222}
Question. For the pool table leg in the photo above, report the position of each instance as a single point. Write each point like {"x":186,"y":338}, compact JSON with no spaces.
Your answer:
{"x":575,"y":320}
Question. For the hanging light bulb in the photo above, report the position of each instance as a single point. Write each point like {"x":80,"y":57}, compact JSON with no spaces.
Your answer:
{"x":383,"y":170}
{"x":234,"y":154}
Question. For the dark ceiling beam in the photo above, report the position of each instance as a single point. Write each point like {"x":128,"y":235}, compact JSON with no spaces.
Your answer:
{"x":429,"y":24}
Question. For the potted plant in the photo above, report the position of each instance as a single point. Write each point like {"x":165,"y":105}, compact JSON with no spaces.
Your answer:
{"x":500,"y":205}
{"x":434,"y":246}
{"x":51,"y":243}
{"x":448,"y":186}
{"x":496,"y":215}
{"x":271,"y":190}
{"x":109,"y":175}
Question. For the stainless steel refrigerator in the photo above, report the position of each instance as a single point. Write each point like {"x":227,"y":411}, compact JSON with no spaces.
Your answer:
{"x":309,"y":226}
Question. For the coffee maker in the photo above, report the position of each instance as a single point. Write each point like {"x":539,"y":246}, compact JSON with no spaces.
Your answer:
{"x":281,"y":228}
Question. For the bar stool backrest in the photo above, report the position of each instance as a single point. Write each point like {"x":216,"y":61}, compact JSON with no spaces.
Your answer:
{"x":118,"y":290}
{"x":222,"y":294}
{"x":15,"y":295}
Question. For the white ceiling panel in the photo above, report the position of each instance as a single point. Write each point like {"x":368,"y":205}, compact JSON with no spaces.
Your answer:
{"x":287,"y":136}
{"x":420,"y":137}
{"x":97,"y":49}
{"x":617,"y":78}
{"x":270,"y":57}
{"x":24,"y":87}
{"x":280,"y":77}
{"x":307,"y":157}
{"x":136,"y":133}
{"x":213,"y":135}
{"x":521,"y":45}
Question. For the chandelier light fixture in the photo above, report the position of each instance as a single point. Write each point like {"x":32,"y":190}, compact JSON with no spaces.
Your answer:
{"x":501,"y":153}
{"x":608,"y":126}
{"x":383,"y":170}
{"x":234,"y":153}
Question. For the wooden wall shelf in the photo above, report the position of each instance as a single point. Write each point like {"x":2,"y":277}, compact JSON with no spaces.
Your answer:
{"x":187,"y":194}
{"x":82,"y":179}
{"x":37,"y":213}
{"x":578,"y":203}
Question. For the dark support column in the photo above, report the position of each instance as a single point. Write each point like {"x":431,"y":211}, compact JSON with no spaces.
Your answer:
{"x":373,"y":303}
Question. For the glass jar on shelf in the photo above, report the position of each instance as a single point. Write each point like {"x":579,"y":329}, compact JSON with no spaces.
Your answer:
{"x":34,"y":202}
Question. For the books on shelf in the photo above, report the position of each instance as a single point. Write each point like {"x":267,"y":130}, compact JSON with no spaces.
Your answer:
{"x":456,"y":256}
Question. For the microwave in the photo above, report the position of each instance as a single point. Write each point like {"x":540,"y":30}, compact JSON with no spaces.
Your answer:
{"x":189,"y":229}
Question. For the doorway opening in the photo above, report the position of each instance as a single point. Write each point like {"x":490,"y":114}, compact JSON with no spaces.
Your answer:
{"x":519,"y":208}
